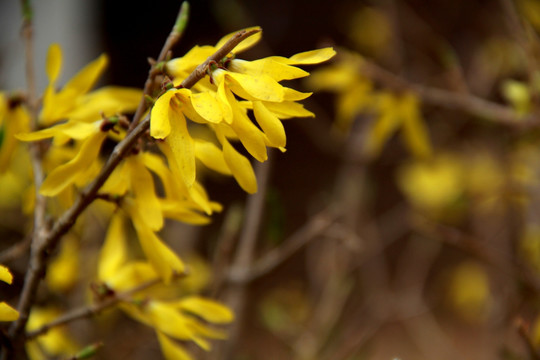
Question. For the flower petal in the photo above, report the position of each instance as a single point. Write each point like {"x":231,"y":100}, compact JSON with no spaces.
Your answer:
{"x":160,"y":126}
{"x":5,"y":275}
{"x":244,"y":45}
{"x":182,"y":146}
{"x":7,"y":313}
{"x":311,"y":57}
{"x":211,"y":156}
{"x":85,"y":79}
{"x":207,"y":106}
{"x":288,"y":109}
{"x":146,"y":200}
{"x":163,"y":259}
{"x":114,"y":250}
{"x":276,"y":70}
{"x":209,"y":310}
{"x":66,"y":174}
{"x":171,"y":350}
{"x":53,"y":63}
{"x":240,"y":167}
{"x":271,"y":125}
{"x":261,"y":87}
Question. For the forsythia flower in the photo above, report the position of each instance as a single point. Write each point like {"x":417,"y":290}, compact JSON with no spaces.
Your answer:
{"x":222,"y":103}
{"x":172,"y":319}
{"x":55,"y":342}
{"x":356,"y":95}
{"x":7,"y":313}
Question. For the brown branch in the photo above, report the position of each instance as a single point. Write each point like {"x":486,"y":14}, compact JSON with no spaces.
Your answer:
{"x":523,"y":333}
{"x":317,"y":225}
{"x":68,"y":219}
{"x":237,"y":294}
{"x":94,"y":309}
{"x":452,"y":100}
{"x":173,"y":38}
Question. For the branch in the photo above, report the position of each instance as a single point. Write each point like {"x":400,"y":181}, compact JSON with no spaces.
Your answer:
{"x":452,"y":100}
{"x":94,"y":309}
{"x":316,"y":226}
{"x":68,"y":219}
{"x":175,"y":35}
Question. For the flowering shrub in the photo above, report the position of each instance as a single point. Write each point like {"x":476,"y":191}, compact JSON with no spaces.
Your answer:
{"x":149,"y":177}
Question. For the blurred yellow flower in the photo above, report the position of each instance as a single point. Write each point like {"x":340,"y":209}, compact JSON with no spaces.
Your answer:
{"x":7,"y":313}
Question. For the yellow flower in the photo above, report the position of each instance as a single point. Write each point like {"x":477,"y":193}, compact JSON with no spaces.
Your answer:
{"x":74,"y":102}
{"x":7,"y":313}
{"x":56,"y":342}
{"x":179,"y":320}
{"x":222,"y":103}
{"x":74,"y":171}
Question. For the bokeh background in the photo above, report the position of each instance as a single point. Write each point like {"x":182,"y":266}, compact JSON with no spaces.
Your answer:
{"x":360,"y":256}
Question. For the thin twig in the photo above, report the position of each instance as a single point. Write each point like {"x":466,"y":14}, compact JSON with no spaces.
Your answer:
{"x":236,"y":296}
{"x":173,"y":38}
{"x":68,"y":219}
{"x":16,"y":250}
{"x":94,"y":309}
{"x":40,"y":230}
{"x":523,"y":332}
{"x":317,"y":225}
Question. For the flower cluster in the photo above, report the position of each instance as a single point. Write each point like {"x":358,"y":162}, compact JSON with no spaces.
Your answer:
{"x":79,"y":121}
{"x":222,"y":102}
{"x":357,"y":95}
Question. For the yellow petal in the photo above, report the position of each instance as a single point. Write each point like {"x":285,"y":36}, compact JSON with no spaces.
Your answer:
{"x":181,"y":211}
{"x":209,"y":310}
{"x":160,"y":126}
{"x":385,"y":126}
{"x":271,"y":125}
{"x":414,"y":129}
{"x":194,"y":193}
{"x":109,"y":100}
{"x":207,"y":107}
{"x":274,"y":69}
{"x":85,"y":79}
{"x":72,"y":129}
{"x":130,"y":275}
{"x":63,"y":271}
{"x":5,"y":275}
{"x":182,"y":146}
{"x":53,"y":62}
{"x":261,"y":87}
{"x":240,"y":168}
{"x":64,"y":175}
{"x":116,"y":183}
{"x":312,"y":57}
{"x":251,"y":137}
{"x":244,"y":45}
{"x":114,"y":250}
{"x":211,"y":156}
{"x":168,"y":320}
{"x":163,"y":259}
{"x":288,"y":109}
{"x":171,"y":350}
{"x":7,"y":313}
{"x":293,"y":95}
{"x":146,"y":200}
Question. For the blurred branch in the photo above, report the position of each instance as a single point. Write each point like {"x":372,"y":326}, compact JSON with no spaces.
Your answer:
{"x":16,"y":250}
{"x":317,"y":225}
{"x":451,"y":100}
{"x":523,"y":332}
{"x":94,"y":309}
{"x":237,"y":293}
